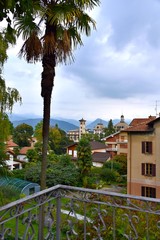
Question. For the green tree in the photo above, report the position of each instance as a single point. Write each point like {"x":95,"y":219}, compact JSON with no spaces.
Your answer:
{"x":38,"y":131}
{"x":59,"y":171}
{"x":84,"y":159}
{"x":58,"y":139}
{"x":109,"y":176}
{"x":32,"y":155}
{"x":64,"y":23}
{"x":22,"y":134}
{"x":110,"y":128}
{"x":122,"y":160}
{"x":8,"y":97}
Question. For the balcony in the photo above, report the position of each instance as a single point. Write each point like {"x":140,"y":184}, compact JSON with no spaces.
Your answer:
{"x":78,"y":213}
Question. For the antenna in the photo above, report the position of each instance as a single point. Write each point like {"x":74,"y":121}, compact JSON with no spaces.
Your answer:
{"x":156,"y":107}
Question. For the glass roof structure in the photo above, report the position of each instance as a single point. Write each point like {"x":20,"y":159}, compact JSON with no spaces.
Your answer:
{"x":15,"y":183}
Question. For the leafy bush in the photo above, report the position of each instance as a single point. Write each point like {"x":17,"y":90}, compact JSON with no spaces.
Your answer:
{"x":7,"y":195}
{"x":110,"y":176}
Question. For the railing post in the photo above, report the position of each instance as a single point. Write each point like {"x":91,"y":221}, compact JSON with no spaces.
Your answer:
{"x":58,"y":218}
{"x":41,"y":223}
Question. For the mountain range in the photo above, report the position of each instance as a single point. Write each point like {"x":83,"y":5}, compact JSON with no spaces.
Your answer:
{"x":64,"y":124}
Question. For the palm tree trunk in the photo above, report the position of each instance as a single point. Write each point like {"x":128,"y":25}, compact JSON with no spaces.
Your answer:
{"x":48,"y":74}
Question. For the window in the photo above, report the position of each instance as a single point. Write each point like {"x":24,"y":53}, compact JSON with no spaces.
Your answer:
{"x":75,"y":153}
{"x":149,"y":169}
{"x":148,"y":192}
{"x":70,"y":152}
{"x":147,"y":147}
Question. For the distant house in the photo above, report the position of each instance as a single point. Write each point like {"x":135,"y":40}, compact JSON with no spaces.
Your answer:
{"x":14,"y":160}
{"x":117,"y":143}
{"x":99,"y":158}
{"x":98,"y":149}
{"x":22,"y":154}
{"x":11,"y":162}
{"x":98,"y":129}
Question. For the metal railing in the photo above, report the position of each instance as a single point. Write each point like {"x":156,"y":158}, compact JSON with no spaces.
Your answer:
{"x":66,"y":212}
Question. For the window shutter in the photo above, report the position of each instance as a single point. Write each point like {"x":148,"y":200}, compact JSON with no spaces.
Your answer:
{"x":143,"y":191}
{"x":153,"y":192}
{"x":143,"y":169}
{"x":143,"y":147}
{"x":153,"y":170}
{"x":150,"y":147}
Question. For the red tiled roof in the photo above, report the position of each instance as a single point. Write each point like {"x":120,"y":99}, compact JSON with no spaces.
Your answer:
{"x":141,"y":125}
{"x":137,"y":121}
{"x":10,"y":143}
{"x":24,"y":150}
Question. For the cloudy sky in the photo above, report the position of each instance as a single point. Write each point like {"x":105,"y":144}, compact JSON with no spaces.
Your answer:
{"x":117,"y":71}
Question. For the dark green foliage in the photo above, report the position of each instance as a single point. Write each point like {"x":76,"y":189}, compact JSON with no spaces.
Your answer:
{"x":7,"y":195}
{"x":22,"y":134}
{"x":19,"y":173}
{"x":59,"y":171}
{"x":113,"y":166}
{"x":122,"y":160}
{"x":110,"y":128}
{"x":5,"y":126}
{"x":84,"y":156}
{"x":3,"y":166}
{"x":58,"y":140}
{"x":62,"y":172}
{"x":110,"y":176}
{"x":32,"y":172}
{"x":32,"y":155}
{"x":84,"y":160}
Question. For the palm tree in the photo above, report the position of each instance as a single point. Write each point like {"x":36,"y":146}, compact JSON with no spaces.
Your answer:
{"x":64,"y":21}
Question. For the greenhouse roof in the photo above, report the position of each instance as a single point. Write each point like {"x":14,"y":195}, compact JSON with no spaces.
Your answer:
{"x":14,"y":183}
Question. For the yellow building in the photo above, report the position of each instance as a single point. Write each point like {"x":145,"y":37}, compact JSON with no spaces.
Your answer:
{"x":143,"y":174}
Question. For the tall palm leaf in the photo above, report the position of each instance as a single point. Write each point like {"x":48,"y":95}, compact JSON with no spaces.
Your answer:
{"x":64,"y":22}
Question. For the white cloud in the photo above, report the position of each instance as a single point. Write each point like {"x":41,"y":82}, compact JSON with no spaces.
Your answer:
{"x":115,"y":72}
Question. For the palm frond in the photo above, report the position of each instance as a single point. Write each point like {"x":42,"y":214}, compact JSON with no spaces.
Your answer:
{"x":87,"y":4}
{"x":49,"y":43}
{"x":25,"y":25}
{"x":32,"y":48}
{"x":84,"y":23}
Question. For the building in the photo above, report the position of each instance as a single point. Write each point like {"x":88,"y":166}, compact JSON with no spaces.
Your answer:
{"x":98,"y":129}
{"x":82,"y":128}
{"x":11,"y":161}
{"x":143,"y":166}
{"x":99,"y":153}
{"x":121,"y":125}
{"x":75,"y":135}
{"x":117,"y":143}
{"x":22,"y":154}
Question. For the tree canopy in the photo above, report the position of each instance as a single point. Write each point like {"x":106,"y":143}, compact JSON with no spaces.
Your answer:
{"x":22,"y":135}
{"x":84,"y":159}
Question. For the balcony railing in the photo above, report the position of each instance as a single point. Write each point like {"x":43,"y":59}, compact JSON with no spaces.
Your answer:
{"x":78,"y":213}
